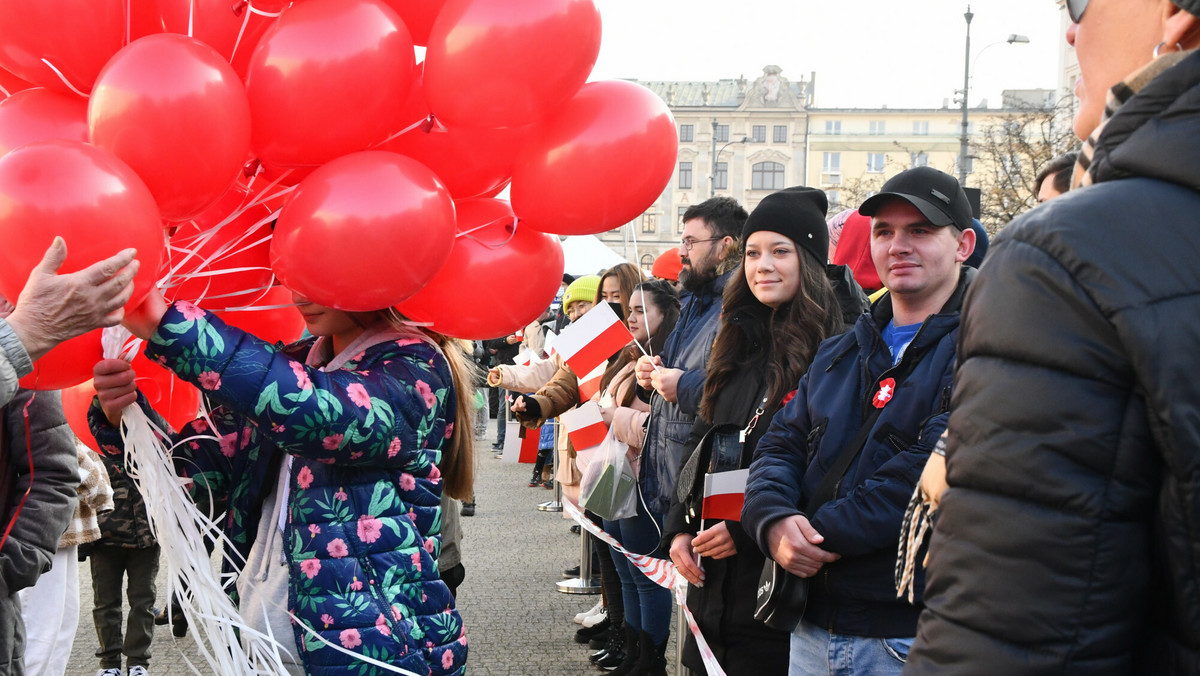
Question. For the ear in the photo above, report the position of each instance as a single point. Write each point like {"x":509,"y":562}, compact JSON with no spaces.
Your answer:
{"x":966,"y":245}
{"x":1180,"y":27}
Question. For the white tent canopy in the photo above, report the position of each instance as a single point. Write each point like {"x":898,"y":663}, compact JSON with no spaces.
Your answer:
{"x":587,"y":255}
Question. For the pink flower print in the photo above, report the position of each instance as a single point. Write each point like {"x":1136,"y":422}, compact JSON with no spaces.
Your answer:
{"x":429,"y":546}
{"x":190,"y":312}
{"x":277,"y":428}
{"x":314,"y":530}
{"x":327,"y":619}
{"x":310,"y":568}
{"x":194,"y":446}
{"x":359,"y":356}
{"x":381,"y":625}
{"x":396,"y":615}
{"x":161,"y":359}
{"x":369,"y":528}
{"x":358,"y":395}
{"x":210,"y":380}
{"x":356,"y":584}
{"x":434,"y":473}
{"x":462,"y":636}
{"x":407,"y":481}
{"x":331,"y":442}
{"x":394,"y":447}
{"x":416,"y":561}
{"x":426,"y":393}
{"x":350,"y":638}
{"x":449,"y":431}
{"x":304,"y":477}
{"x":302,"y":379}
{"x":199,"y":425}
{"x":340,"y":495}
{"x":356,"y":455}
{"x":447,"y":660}
{"x":228,"y":444}
{"x":337,"y":548}
{"x":404,"y":342}
{"x":246,"y":431}
{"x":110,"y":449}
{"x":424,"y":597}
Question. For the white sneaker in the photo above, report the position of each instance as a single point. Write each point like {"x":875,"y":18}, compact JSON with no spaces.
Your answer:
{"x":115,"y":671}
{"x":580,"y":617}
{"x":138,"y":670}
{"x":594,"y":619}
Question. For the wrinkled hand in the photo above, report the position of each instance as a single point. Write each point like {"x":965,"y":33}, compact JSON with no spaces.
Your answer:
{"x":494,"y":377}
{"x":792,"y":542}
{"x":143,"y":320}
{"x":645,"y":368}
{"x":53,"y":308}
{"x":715,"y":542}
{"x":518,"y":405}
{"x":114,"y":383}
{"x":666,"y":381}
{"x":686,"y":561}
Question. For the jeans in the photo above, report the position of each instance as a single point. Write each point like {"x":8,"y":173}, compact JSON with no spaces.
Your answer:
{"x":816,"y":652}
{"x":647,"y":605}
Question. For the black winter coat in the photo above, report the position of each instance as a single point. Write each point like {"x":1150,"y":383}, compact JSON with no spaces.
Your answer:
{"x":1069,"y":539}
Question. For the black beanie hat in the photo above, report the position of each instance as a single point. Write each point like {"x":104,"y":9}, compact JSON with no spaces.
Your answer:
{"x":798,"y":213}
{"x":1191,"y":6}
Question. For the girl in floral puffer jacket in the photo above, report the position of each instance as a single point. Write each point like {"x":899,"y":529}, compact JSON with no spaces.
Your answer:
{"x":330,"y":457}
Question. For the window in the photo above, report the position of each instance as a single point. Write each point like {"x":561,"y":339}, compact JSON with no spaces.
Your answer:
{"x":833,"y":126}
{"x":878,"y":127}
{"x":766,"y":176}
{"x":831,"y":169}
{"x":920,"y":159}
{"x":721,"y":178}
{"x":875,"y":163}
{"x":647,"y":263}
{"x":722,"y":133}
{"x":686,"y":133}
{"x":758,"y":133}
{"x":685,"y":175}
{"x":921,"y":128}
{"x":649,"y":222}
{"x":679,"y":221}
{"x":780,"y":134}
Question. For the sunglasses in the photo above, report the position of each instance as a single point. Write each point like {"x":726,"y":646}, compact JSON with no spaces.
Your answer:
{"x":1075,"y":9}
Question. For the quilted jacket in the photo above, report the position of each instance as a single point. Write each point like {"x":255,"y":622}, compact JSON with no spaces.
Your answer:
{"x":363,"y":517}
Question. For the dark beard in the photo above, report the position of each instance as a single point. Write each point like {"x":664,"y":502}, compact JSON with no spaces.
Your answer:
{"x":694,"y":279}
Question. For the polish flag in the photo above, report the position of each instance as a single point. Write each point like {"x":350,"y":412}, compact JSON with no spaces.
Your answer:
{"x":548,"y":346}
{"x":589,"y":385}
{"x":585,"y":426}
{"x":518,"y":448}
{"x":724,"y":494}
{"x":592,"y":339}
{"x":524,"y":358}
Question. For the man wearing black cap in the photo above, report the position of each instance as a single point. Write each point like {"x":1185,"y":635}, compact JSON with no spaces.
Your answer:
{"x":834,"y":472}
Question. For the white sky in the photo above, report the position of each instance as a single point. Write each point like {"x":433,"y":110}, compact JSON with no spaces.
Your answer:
{"x":866,"y":53}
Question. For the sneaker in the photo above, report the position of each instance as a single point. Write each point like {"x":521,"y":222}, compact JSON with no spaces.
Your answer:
{"x":580,"y":617}
{"x":595,"y":619}
{"x":115,"y":671}
{"x":548,"y":485}
{"x":468,"y":509}
{"x":138,"y":670}
{"x":160,"y":616}
{"x":569,"y":573}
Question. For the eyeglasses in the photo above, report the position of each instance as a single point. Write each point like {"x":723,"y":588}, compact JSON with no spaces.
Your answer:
{"x":687,"y":244}
{"x":1075,"y":9}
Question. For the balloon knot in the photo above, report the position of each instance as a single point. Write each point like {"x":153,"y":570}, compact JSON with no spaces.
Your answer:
{"x":427,"y":125}
{"x":239,"y":7}
{"x":251,"y":168}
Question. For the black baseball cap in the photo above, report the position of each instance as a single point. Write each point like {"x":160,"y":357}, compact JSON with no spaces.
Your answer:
{"x":936,"y":194}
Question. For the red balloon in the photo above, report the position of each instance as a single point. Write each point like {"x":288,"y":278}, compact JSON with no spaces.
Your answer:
{"x":11,"y":84}
{"x":578,"y":175}
{"x":364,"y":232}
{"x":464,"y":299}
{"x":75,"y":403}
{"x":68,"y":363}
{"x":77,"y":38}
{"x":92,"y":199}
{"x":472,"y":161}
{"x":419,"y":16}
{"x":222,"y":258}
{"x":329,"y":78}
{"x":275,"y":324}
{"x":41,"y":115}
{"x":175,"y":111}
{"x":228,"y":26}
{"x":494,"y":63}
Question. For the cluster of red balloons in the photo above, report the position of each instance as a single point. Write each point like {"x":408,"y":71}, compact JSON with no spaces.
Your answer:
{"x":239,"y":144}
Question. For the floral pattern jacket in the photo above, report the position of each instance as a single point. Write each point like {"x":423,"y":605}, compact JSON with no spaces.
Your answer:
{"x":363,"y":517}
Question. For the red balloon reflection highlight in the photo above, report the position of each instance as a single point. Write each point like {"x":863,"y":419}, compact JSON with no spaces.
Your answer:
{"x":41,"y":115}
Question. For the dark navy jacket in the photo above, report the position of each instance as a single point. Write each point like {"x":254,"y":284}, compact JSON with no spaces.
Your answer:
{"x":856,"y":595}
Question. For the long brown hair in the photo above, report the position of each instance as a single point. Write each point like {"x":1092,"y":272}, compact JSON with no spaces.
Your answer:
{"x":628,"y":275}
{"x":666,"y":300}
{"x":791,"y":333}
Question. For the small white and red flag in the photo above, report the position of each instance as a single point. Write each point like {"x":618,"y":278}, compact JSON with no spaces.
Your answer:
{"x":724,"y":494}
{"x":525,"y":357}
{"x":519,"y":448}
{"x":592,"y":339}
{"x":548,"y":345}
{"x":585,"y":426}
{"x":589,"y":385}
{"x":887,"y":390}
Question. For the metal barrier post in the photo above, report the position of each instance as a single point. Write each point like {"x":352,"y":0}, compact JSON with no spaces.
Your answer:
{"x":582,"y":584}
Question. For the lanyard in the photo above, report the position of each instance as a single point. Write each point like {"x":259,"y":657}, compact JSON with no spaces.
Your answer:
{"x":762,"y":408}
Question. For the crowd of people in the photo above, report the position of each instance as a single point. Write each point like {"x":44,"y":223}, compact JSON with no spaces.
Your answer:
{"x":950,"y":465}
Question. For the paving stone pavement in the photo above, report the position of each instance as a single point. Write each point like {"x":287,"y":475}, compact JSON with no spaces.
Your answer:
{"x":517,"y":623}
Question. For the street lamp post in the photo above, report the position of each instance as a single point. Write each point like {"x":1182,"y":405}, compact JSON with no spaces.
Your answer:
{"x":962,"y":139}
{"x":712,"y":177}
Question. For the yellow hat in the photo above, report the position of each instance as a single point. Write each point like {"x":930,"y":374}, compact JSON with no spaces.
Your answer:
{"x":582,"y":289}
